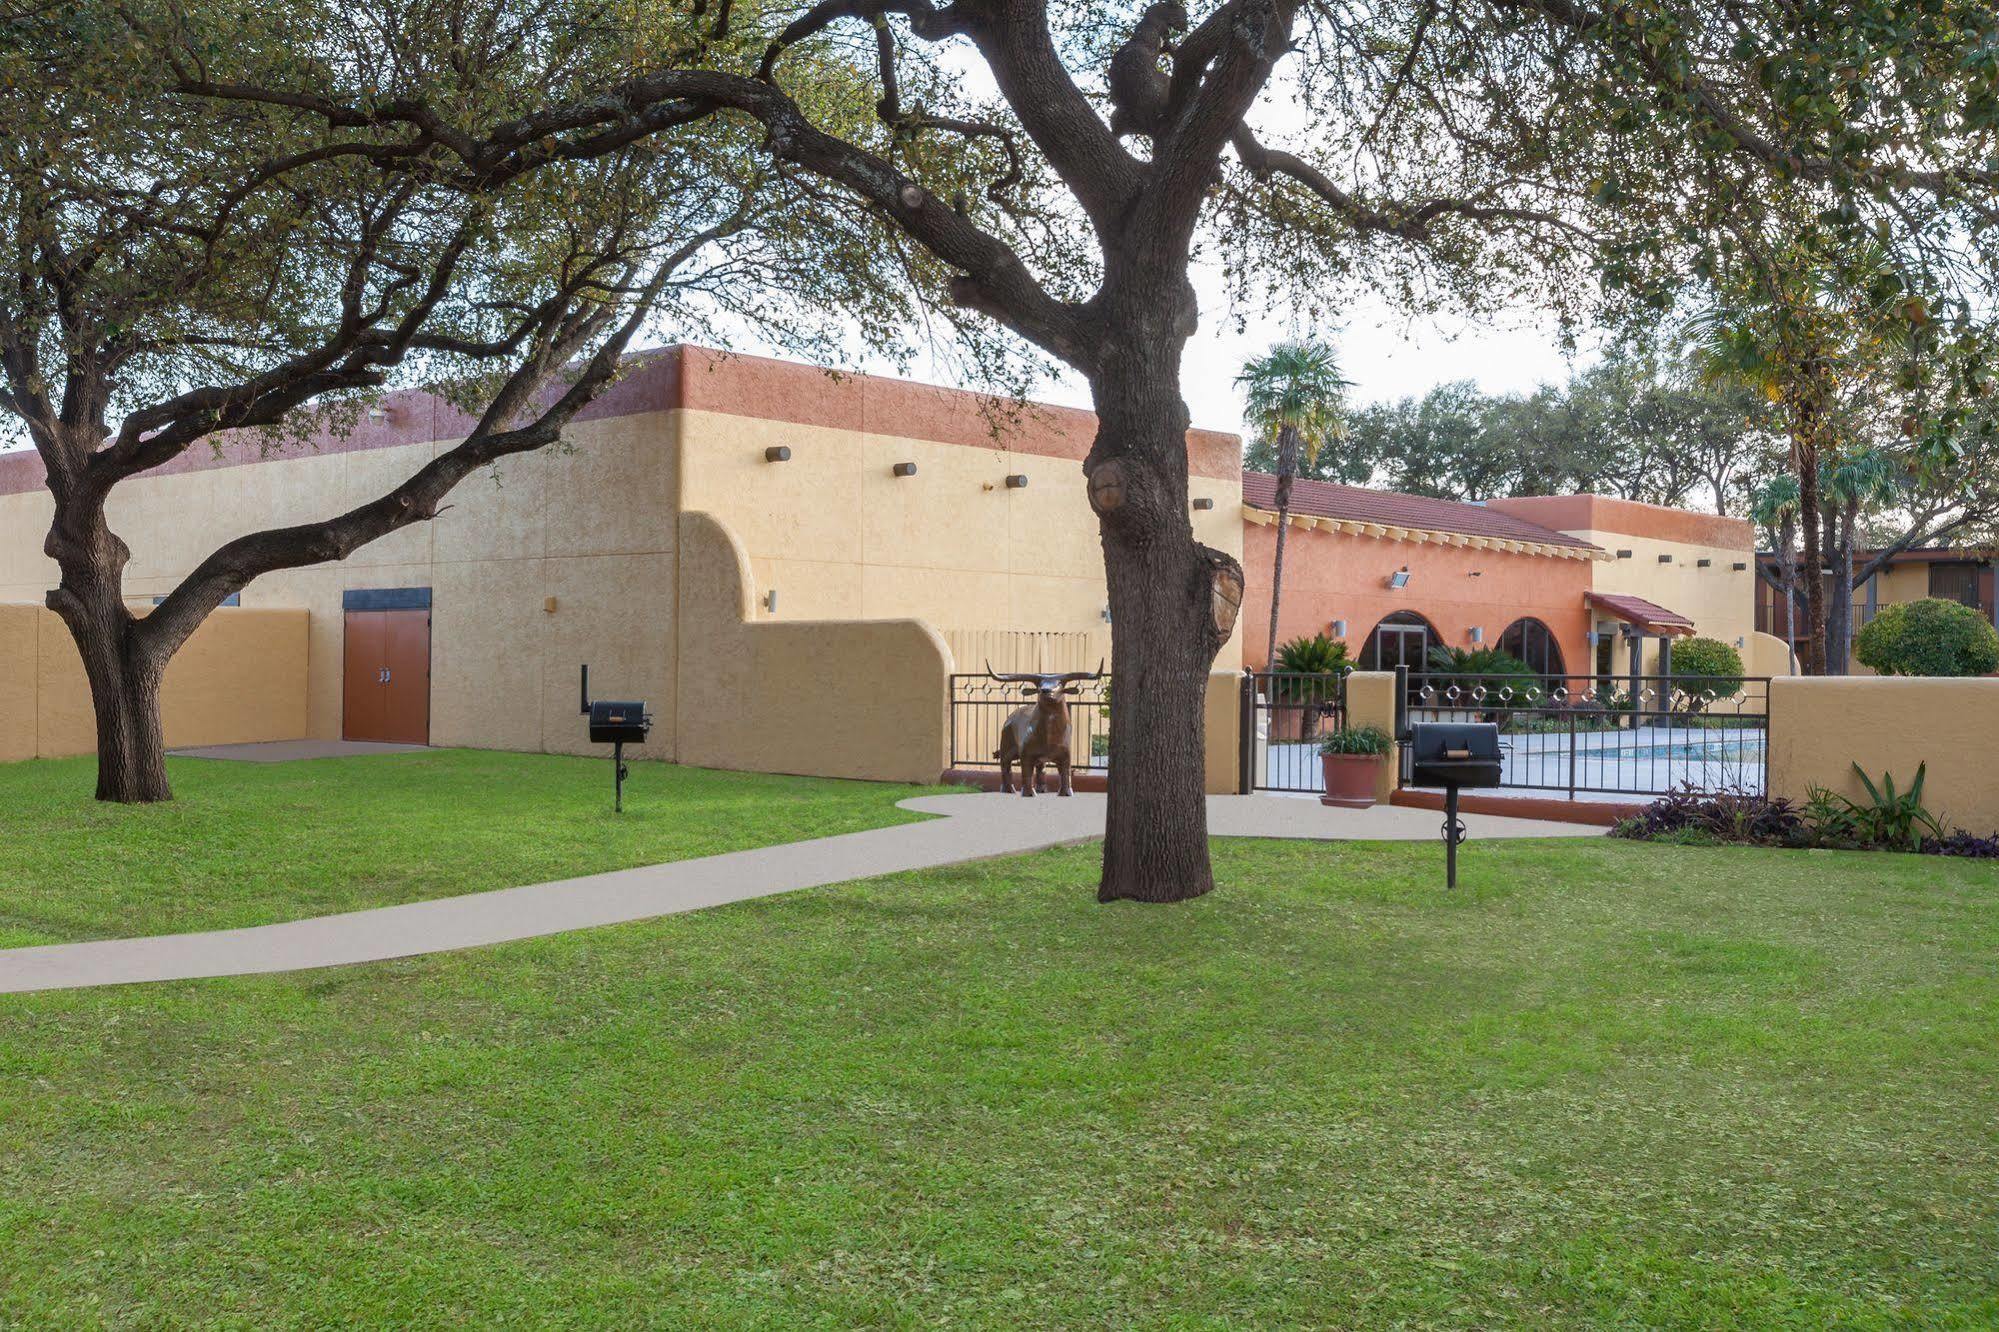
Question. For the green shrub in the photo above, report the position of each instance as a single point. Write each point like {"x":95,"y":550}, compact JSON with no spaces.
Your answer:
{"x":1700,"y":657}
{"x":1929,"y":637}
{"x":1368,"y":740}
{"x":1318,"y":655}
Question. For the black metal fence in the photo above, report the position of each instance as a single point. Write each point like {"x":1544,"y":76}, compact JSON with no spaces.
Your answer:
{"x":1637,"y":736}
{"x":980,"y":706}
{"x":1284,"y":716}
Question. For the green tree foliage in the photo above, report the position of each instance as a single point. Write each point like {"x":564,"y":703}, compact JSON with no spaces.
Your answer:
{"x":1707,"y":670}
{"x":1929,"y":637}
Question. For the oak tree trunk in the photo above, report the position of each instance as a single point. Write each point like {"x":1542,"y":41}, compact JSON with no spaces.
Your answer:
{"x":1173,"y":604}
{"x":123,"y":669}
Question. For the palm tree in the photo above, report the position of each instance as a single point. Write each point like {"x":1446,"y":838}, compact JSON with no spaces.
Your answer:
{"x":1855,"y":482}
{"x":1773,"y":506}
{"x":1295,"y":398}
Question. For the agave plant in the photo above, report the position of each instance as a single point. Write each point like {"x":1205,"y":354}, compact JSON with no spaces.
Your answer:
{"x":1891,"y":818}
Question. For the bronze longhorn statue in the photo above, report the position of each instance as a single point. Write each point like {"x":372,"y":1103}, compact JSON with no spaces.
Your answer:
{"x":1038,"y":733}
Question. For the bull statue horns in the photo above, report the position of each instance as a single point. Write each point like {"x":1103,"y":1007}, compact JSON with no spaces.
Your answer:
{"x":1042,"y":677}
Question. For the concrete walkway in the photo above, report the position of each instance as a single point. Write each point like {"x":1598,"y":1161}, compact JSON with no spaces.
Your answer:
{"x":974,"y":827}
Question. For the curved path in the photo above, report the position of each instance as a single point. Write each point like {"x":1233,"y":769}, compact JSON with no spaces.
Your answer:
{"x":974,"y":827}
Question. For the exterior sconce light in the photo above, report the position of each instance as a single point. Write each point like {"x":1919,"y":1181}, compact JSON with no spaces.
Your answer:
{"x":1590,"y":639}
{"x":904,"y":469}
{"x":1623,"y":554}
{"x":1400,"y":578}
{"x":1478,"y":633}
{"x":1740,"y":641}
{"x":1339,"y":628}
{"x":1205,"y":502}
{"x":1106,"y":612}
{"x":770,"y":601}
{"x":1702,"y":564}
{"x":1665,"y":559}
{"x":549,"y":606}
{"x":1018,"y":481}
{"x":777,"y":453}
{"x":1476,"y":573}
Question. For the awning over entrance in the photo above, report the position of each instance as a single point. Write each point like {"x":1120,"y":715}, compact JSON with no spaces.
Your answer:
{"x":1650,"y":617}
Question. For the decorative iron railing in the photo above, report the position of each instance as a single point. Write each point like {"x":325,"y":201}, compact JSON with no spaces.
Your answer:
{"x":980,"y":706}
{"x":1284,"y":716}
{"x":1623,"y":735}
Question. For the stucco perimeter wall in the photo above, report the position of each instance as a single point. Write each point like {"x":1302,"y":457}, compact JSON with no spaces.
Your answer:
{"x":1767,"y":655}
{"x":241,"y":678}
{"x":866,"y":699}
{"x":1821,"y":726}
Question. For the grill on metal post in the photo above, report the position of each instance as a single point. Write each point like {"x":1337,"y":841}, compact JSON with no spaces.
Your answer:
{"x":1451,"y":755}
{"x":616,"y":725}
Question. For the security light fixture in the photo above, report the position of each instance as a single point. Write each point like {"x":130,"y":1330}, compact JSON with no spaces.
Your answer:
{"x":904,"y":469}
{"x":770,"y":601}
{"x":777,"y":453}
{"x":1018,"y":481}
{"x":1478,"y":633}
{"x":1339,"y":628}
{"x":1400,"y":578}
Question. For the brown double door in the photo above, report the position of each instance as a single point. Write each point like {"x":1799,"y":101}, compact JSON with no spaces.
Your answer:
{"x":388,"y":676}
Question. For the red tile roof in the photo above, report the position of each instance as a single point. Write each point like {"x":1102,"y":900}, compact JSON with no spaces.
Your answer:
{"x":1325,"y":499}
{"x":1647,"y":615}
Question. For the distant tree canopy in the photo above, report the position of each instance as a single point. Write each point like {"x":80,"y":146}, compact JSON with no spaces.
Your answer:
{"x":1638,"y":424}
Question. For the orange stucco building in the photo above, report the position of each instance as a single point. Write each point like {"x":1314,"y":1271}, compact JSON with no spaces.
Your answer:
{"x":1573,"y":584}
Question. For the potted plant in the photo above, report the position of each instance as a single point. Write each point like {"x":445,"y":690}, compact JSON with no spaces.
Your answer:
{"x":1351,"y":756}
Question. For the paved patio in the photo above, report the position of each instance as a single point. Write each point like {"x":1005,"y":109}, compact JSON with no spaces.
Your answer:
{"x":972,"y":827}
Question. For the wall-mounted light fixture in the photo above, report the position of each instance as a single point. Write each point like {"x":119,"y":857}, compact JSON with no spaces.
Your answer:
{"x":1205,"y":502}
{"x":1590,"y":639}
{"x":1478,"y":633}
{"x":1702,"y":564}
{"x":1400,"y":578}
{"x":1476,"y":573}
{"x":1339,"y":628}
{"x":904,"y":469}
{"x":1018,"y":481}
{"x":777,"y":453}
{"x":550,"y":605}
{"x":770,"y":601}
{"x":1106,"y":613}
{"x":1623,"y":554}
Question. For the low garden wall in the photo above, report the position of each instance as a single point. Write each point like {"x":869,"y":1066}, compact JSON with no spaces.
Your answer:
{"x":1821,"y":727}
{"x":867,"y":699}
{"x":240,"y":678}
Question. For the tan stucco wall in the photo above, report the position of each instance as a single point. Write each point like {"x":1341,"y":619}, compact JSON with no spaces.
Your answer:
{"x":1371,"y":702}
{"x":240,"y":678}
{"x":589,"y":524}
{"x":837,"y":535}
{"x":1767,"y":655}
{"x":1820,"y":727}
{"x":1720,"y":600}
{"x":823,"y":698}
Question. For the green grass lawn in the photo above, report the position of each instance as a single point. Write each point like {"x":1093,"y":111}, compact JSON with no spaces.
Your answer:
{"x":252,"y":843}
{"x":1604,"y":1083}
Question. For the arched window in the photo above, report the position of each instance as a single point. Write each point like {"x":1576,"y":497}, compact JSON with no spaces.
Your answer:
{"x":1402,"y":639}
{"x":1534,"y":643}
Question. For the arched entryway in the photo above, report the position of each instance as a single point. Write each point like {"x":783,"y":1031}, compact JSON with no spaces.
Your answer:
{"x":1534,"y":643}
{"x":1402,"y":639}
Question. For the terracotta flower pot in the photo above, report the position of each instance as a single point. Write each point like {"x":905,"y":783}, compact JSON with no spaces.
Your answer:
{"x":1349,"y":779}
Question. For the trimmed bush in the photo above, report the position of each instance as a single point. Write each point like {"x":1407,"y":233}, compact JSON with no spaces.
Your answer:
{"x":1368,"y":740}
{"x":1929,"y":637}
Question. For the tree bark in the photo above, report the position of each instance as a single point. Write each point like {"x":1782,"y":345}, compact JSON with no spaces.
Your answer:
{"x":123,"y":672}
{"x":1839,"y":616}
{"x":1805,"y":459}
{"x":1287,"y":471}
{"x":1173,"y":604}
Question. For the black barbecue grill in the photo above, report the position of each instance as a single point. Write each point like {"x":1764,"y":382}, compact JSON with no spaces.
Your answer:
{"x":1451,"y":755}
{"x":616,"y":725}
